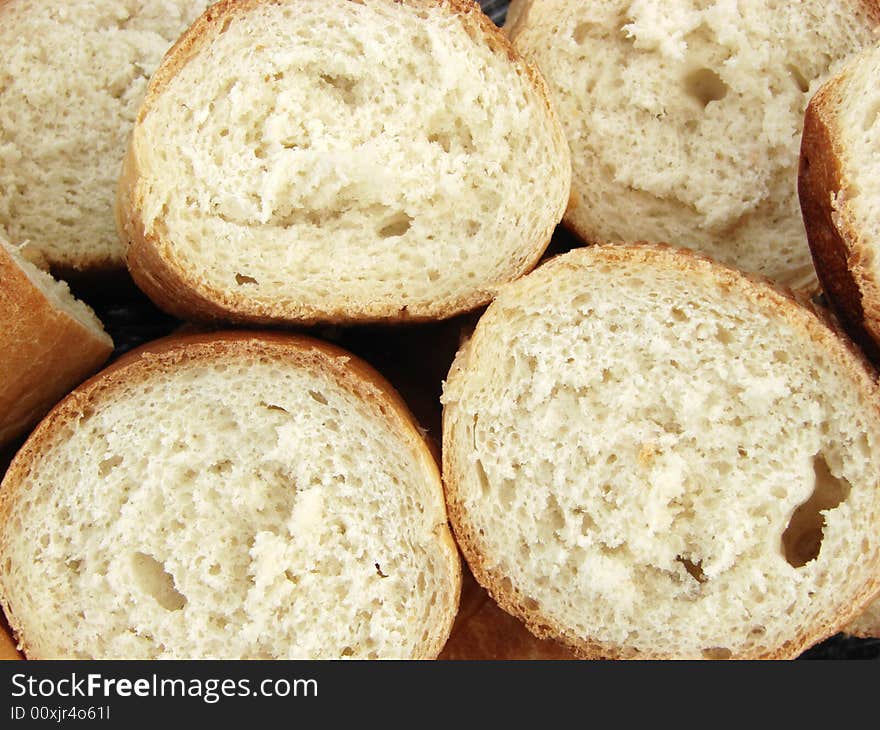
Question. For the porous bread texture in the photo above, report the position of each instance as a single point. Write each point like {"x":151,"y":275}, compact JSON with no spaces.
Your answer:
{"x":362,"y":161}
{"x":49,"y":342}
{"x":684,"y":117}
{"x":649,"y":455}
{"x":228,"y":496}
{"x":72,"y":76}
{"x":840,"y":194}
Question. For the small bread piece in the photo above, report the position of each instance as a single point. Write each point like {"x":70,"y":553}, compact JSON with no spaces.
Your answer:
{"x":649,"y":455}
{"x":839,"y":186}
{"x":684,"y":117}
{"x":483,"y":632}
{"x":49,"y":342}
{"x":72,"y":75}
{"x":335,"y":161}
{"x":237,"y":495}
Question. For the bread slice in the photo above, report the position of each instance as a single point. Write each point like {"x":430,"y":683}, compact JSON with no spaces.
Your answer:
{"x":649,"y":455}
{"x":684,"y":117}
{"x":483,"y":632}
{"x":237,"y":495}
{"x":49,"y":342}
{"x":72,"y":76}
{"x":306,"y":161}
{"x":840,"y":194}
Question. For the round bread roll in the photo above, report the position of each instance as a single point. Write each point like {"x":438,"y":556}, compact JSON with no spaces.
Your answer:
{"x":248,"y":495}
{"x":684,"y":117}
{"x":72,"y":75}
{"x":649,"y":455}
{"x":839,"y":184}
{"x":335,"y":161}
{"x":49,"y":342}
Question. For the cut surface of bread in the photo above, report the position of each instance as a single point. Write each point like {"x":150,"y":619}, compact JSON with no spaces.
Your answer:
{"x":339,"y":161}
{"x":840,"y":195}
{"x":248,"y":495}
{"x":684,"y":117}
{"x":72,"y":76}
{"x":650,"y":455}
{"x":49,"y":342}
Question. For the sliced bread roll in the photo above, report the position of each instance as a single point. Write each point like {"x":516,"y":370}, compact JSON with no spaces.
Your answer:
{"x":72,"y":75}
{"x":839,"y":184}
{"x":340,"y":161}
{"x":233,"y":496}
{"x":49,"y":342}
{"x":649,"y":455}
{"x":684,"y":117}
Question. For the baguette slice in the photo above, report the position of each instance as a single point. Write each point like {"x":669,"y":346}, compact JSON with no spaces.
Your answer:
{"x":49,"y":342}
{"x":684,"y":117}
{"x":306,"y":161}
{"x":72,"y":75}
{"x":236,"y":495}
{"x":840,"y":195}
{"x":649,"y":455}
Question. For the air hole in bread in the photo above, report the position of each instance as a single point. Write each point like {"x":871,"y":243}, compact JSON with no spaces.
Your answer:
{"x":345,"y":85}
{"x":152,"y":578}
{"x":316,"y":396}
{"x":379,"y":571}
{"x":717,"y":652}
{"x":273,"y":407}
{"x":108,"y":465}
{"x":705,"y":86}
{"x":242,"y":279}
{"x":347,"y":651}
{"x":481,"y":477}
{"x":693,"y":567}
{"x":395,"y":226}
{"x":452,"y":137}
{"x":679,"y":315}
{"x":554,"y":515}
{"x":871,"y":115}
{"x":581,"y":32}
{"x":723,"y":335}
{"x":802,"y":539}
{"x":802,"y":83}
